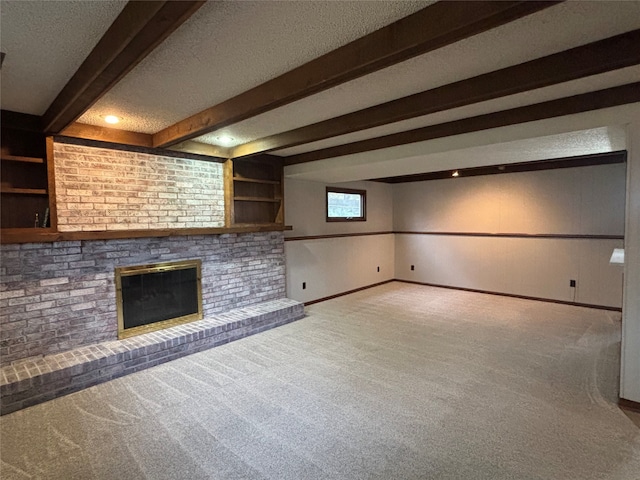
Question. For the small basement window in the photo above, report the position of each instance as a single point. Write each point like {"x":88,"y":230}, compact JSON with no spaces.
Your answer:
{"x":346,"y":205}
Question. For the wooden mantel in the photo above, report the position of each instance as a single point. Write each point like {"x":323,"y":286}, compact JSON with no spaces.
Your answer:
{"x":47,"y":235}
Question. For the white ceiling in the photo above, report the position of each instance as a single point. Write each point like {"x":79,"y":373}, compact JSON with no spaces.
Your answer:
{"x":585,"y":142}
{"x":575,"y":87}
{"x":579,"y":134}
{"x":550,"y":31}
{"x":228,"y":47}
{"x":45,"y":43}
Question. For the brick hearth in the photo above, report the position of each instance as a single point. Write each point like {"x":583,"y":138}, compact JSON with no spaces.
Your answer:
{"x":59,"y":319}
{"x":30,"y":382}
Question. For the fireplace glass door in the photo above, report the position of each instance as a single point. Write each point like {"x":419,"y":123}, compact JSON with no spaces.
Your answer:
{"x":151,"y":297}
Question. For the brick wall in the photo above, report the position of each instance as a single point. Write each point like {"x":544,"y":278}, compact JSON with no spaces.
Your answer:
{"x":104,"y":189}
{"x":59,"y":296}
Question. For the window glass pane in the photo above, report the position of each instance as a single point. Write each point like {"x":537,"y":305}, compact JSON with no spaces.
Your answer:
{"x":344,"y":205}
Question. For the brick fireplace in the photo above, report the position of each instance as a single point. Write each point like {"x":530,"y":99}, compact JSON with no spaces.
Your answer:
{"x":59,"y":320}
{"x":100,"y":189}
{"x":61,"y":295}
{"x":59,"y":310}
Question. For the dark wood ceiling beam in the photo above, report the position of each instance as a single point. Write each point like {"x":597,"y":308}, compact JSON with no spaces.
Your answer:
{"x":433,"y":27}
{"x":585,"y":102}
{"x":106,"y":134}
{"x":126,"y":137}
{"x":140,"y":27}
{"x":591,"y":59}
{"x":608,"y":158}
{"x":191,"y":146}
{"x":127,"y":147}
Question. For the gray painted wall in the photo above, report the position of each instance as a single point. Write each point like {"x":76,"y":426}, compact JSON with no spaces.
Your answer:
{"x":330,"y":266}
{"x":630,"y":369}
{"x":574,"y":201}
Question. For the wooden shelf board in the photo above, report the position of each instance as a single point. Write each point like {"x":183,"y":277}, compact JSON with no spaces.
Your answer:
{"x":24,"y":191}
{"x":274,"y":224}
{"x":36,"y":235}
{"x":18,"y":158}
{"x":256,"y":180}
{"x":256,"y":199}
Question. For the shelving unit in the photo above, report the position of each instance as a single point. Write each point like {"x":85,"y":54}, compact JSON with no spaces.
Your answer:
{"x":257,"y":191}
{"x":23,"y":177}
{"x":256,"y":199}
{"x":256,"y":180}
{"x":18,"y":158}
{"x":24,"y":191}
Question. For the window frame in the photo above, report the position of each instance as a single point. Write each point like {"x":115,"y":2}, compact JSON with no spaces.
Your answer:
{"x":363,"y":196}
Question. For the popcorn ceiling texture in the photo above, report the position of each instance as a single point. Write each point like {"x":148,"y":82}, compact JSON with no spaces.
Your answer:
{"x":103,"y":189}
{"x":59,"y":296}
{"x":256,"y":41}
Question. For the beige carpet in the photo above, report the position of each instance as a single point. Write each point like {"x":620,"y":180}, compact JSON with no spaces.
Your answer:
{"x":395,"y":382}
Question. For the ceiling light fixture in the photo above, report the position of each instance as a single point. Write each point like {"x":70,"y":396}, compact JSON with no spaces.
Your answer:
{"x":111,"y":119}
{"x":225,"y":139}
{"x":455,"y":173}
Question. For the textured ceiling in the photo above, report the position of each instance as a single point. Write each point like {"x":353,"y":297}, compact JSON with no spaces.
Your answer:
{"x":575,"y":87}
{"x":45,"y":43}
{"x":229,"y":47}
{"x":555,"y":29}
{"x":600,"y":140}
{"x":579,"y":134}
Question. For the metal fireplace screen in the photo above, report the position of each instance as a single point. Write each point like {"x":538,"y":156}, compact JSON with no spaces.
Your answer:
{"x":152,"y":297}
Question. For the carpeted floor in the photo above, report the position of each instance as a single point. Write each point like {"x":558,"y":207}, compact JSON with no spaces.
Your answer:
{"x":395,"y":382}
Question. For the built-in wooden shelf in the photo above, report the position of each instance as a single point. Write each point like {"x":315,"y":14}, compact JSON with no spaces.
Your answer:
{"x":256,"y":180}
{"x":269,"y":226}
{"x":18,"y":158}
{"x":256,"y":199}
{"x":37,"y":235}
{"x":24,"y":191}
{"x":256,"y":191}
{"x":23,"y":169}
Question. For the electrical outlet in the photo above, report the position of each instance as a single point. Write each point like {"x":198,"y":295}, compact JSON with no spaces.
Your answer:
{"x":413,"y":267}
{"x":572,"y":283}
{"x":378,"y":268}
{"x":304,"y":285}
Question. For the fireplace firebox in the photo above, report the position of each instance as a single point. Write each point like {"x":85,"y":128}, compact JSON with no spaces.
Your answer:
{"x":152,"y":297}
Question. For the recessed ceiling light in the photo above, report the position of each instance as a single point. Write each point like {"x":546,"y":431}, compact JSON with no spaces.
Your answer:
{"x":111,"y":119}
{"x":225,"y":139}
{"x":455,"y":173}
